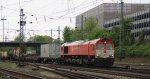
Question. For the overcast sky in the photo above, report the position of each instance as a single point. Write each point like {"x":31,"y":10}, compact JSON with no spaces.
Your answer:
{"x":45,"y":15}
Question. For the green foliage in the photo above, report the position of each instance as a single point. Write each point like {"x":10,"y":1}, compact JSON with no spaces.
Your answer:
{"x":115,"y":36}
{"x":141,"y":37}
{"x":127,"y":26}
{"x":17,"y":38}
{"x":90,"y":27}
{"x":57,"y":41}
{"x":139,"y":50}
{"x":76,"y":35}
{"x":127,"y":31}
{"x":8,"y":64}
{"x":136,"y":50}
{"x":67,"y":34}
{"x":131,"y":49}
{"x":91,"y":30}
{"x":97,"y":32}
{"x":132,"y":40}
{"x":4,"y":48}
{"x":2,"y":76}
{"x":39,"y":38}
{"x":120,"y":54}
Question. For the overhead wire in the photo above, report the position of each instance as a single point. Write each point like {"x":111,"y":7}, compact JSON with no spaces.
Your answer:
{"x":1,"y":9}
{"x":19,"y":4}
{"x":67,"y":13}
{"x":60,"y":17}
{"x":36,"y":15}
{"x":44,"y":15}
{"x":78,"y":6}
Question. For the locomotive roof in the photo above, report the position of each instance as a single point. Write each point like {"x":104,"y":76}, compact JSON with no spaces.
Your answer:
{"x":83,"y":42}
{"x":94,"y":41}
{"x":73,"y":43}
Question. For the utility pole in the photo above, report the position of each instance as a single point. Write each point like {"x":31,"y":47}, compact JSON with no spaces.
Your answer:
{"x":21,"y":43}
{"x":51,"y":33}
{"x":3,"y":29}
{"x":82,"y":27}
{"x":58,"y":35}
{"x":122,"y":50}
{"x":3,"y":36}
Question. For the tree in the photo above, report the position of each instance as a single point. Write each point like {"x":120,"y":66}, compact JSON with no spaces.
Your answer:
{"x":97,"y":32}
{"x":125,"y":35}
{"x":39,"y":38}
{"x":115,"y":35}
{"x":127,"y":31}
{"x":132,"y":39}
{"x":67,"y":34}
{"x":89,"y":27}
{"x":141,"y":37}
{"x":17,"y":38}
{"x":91,"y":30}
{"x":56,"y":41}
{"x":76,"y":34}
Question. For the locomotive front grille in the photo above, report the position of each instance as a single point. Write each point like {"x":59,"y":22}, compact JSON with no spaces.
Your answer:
{"x":107,"y":54}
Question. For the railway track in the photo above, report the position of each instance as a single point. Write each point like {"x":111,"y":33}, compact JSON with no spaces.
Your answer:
{"x":132,"y":69}
{"x":133,"y":73}
{"x":18,"y":75}
{"x":73,"y":74}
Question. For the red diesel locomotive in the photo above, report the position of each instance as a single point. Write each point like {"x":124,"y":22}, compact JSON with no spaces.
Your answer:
{"x":99,"y":52}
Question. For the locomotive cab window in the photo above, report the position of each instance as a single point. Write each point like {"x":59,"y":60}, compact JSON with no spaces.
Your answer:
{"x":109,"y":46}
{"x":66,"y":49}
{"x":100,"y":46}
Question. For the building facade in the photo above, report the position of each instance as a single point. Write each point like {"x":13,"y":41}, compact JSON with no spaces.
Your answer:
{"x":108,"y":15}
{"x":140,"y":21}
{"x":108,"y":11}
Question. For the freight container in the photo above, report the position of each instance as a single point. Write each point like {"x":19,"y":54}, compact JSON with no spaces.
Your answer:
{"x":50,"y":51}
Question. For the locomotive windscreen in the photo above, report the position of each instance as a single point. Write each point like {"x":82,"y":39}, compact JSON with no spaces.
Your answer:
{"x":100,"y":46}
{"x":109,"y":46}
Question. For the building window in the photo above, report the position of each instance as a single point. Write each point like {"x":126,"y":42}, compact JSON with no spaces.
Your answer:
{"x":133,"y":27}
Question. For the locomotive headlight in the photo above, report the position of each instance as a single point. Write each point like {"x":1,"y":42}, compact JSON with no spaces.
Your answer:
{"x":111,"y":55}
{"x":104,"y":42}
{"x":97,"y":55}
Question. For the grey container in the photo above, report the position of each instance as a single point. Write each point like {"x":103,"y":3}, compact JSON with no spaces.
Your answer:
{"x":50,"y":51}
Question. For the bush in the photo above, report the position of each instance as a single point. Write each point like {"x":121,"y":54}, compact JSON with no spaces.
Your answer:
{"x":135,"y":50}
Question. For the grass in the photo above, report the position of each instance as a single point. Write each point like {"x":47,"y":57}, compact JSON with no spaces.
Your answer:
{"x":134,"y":60}
{"x":2,"y":76}
{"x":8,"y":64}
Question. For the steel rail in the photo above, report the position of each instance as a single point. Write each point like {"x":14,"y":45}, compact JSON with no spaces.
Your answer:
{"x":18,"y":75}
{"x":118,"y":72}
{"x":73,"y":74}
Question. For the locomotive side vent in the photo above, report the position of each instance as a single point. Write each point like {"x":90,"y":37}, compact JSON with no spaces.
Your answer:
{"x":66,"y":49}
